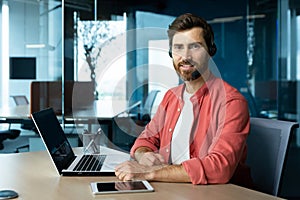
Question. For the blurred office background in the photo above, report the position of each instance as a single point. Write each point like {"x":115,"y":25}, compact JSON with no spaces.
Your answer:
{"x":122,"y":48}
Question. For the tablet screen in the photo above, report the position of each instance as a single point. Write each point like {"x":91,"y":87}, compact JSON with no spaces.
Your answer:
{"x":116,"y":186}
{"x":119,"y":186}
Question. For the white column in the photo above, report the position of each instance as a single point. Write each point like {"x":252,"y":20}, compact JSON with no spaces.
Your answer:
{"x":4,"y":66}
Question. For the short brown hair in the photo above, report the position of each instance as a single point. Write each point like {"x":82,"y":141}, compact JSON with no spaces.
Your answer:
{"x":188,"y":21}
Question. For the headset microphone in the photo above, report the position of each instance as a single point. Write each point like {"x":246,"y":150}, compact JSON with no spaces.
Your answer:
{"x":195,"y":75}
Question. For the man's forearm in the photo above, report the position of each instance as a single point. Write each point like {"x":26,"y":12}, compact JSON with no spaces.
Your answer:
{"x":169,"y":173}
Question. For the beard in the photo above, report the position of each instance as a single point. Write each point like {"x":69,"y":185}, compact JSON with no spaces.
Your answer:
{"x":187,"y":75}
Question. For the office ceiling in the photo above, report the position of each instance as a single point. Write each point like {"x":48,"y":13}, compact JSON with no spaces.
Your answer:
{"x":106,"y":8}
{"x":205,"y":8}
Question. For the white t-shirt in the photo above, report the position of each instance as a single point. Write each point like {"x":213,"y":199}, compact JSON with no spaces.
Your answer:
{"x":180,"y":145}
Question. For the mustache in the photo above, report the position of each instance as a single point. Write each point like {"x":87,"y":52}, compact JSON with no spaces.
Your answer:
{"x":186,"y":62}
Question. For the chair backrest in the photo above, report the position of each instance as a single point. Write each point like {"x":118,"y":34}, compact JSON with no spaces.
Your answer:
{"x":147,"y":107}
{"x":44,"y":94}
{"x":20,"y":99}
{"x":267,"y":148}
{"x":253,"y":109}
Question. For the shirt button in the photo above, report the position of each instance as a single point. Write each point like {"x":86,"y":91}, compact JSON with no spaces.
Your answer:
{"x":167,"y":150}
{"x":178,"y":109}
{"x":170,"y":129}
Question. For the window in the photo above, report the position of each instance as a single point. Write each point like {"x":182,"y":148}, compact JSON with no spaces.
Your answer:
{"x":102,"y":56}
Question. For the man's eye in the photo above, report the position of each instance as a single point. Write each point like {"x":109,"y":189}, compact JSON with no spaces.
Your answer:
{"x":177,"y":47}
{"x":195,"y":46}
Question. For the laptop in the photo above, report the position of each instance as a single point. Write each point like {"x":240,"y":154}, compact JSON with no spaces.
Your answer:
{"x":62,"y":154}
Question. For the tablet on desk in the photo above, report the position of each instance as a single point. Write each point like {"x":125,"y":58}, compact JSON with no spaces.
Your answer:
{"x":115,"y":187}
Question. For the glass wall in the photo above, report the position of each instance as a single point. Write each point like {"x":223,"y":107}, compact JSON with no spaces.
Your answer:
{"x":258,"y":49}
{"x":31,"y":47}
{"x":273,"y":58}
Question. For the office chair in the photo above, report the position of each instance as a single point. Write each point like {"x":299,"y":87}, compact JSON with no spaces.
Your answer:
{"x":22,"y":100}
{"x":268,"y":143}
{"x":26,"y":124}
{"x":143,"y":115}
{"x":8,"y":134}
{"x":132,"y":123}
{"x":11,"y":133}
{"x":252,"y":106}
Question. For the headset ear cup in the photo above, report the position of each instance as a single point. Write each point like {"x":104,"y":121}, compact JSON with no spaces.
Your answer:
{"x":170,"y":53}
{"x":213,"y":49}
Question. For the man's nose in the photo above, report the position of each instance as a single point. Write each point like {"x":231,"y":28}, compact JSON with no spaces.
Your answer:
{"x":186,"y":54}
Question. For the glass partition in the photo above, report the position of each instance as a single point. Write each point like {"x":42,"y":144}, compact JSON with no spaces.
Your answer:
{"x":31,"y":47}
{"x":273,"y":58}
{"x":92,"y":42}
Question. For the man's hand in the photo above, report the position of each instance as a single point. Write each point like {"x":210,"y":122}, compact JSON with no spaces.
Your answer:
{"x":146,"y":156}
{"x":132,"y":170}
{"x":151,"y":158}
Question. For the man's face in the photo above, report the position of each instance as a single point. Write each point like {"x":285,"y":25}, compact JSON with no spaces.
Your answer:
{"x":190,"y":53}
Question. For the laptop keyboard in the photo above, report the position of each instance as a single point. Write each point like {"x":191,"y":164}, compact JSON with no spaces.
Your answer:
{"x":90,"y":163}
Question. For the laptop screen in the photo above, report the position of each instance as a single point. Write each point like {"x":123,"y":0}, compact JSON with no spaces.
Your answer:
{"x":54,"y":138}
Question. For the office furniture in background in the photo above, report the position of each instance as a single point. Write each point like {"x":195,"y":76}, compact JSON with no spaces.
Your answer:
{"x":77,"y":96}
{"x":27,"y":123}
{"x":252,"y":106}
{"x":12,"y":133}
{"x":101,"y":112}
{"x":33,"y":176}
{"x":268,"y":143}
{"x":22,"y":100}
{"x":8,"y":134}
{"x":144,"y":113}
{"x":131,"y":123}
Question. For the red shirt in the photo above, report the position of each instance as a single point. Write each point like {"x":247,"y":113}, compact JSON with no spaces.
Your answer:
{"x":218,"y":135}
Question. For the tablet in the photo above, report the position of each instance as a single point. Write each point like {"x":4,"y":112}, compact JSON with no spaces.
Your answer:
{"x":121,"y":187}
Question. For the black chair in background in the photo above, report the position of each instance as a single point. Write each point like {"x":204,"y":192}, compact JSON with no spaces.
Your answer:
{"x":11,"y":133}
{"x":143,"y":115}
{"x":22,"y":100}
{"x":8,"y":134}
{"x":130,"y":124}
{"x":253,"y":109}
{"x":26,"y":124}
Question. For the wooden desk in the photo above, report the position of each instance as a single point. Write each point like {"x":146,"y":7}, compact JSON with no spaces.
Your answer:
{"x":33,"y":176}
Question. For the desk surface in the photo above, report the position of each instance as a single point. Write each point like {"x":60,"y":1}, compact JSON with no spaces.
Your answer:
{"x":33,"y":176}
{"x":103,"y":109}
{"x":15,"y":112}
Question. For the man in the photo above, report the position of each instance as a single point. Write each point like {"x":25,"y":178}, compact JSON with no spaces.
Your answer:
{"x":199,"y":131}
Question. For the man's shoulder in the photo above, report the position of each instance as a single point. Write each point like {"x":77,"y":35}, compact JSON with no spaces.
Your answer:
{"x":177,"y":90}
{"x":231,"y":92}
{"x":173,"y":93}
